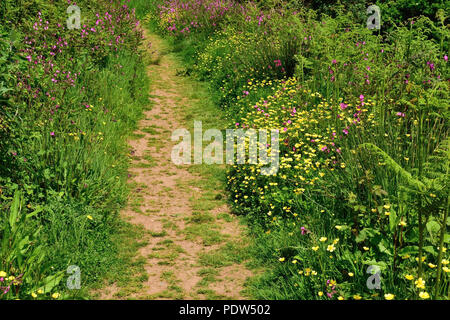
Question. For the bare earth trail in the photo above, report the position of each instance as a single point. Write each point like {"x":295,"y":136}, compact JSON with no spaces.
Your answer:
{"x":191,"y":246}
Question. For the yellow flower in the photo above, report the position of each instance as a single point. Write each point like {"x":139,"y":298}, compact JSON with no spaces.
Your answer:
{"x":357,"y":297}
{"x":89,"y":217}
{"x":281,"y":259}
{"x":424,"y":295}
{"x":389,"y":296}
{"x":409,"y":277}
{"x":55,"y":295}
{"x":444,"y":262}
{"x":420,"y":283}
{"x":315,"y":248}
{"x":40,"y":291}
{"x":11,"y":278}
{"x":366,"y":248}
{"x":431,"y":265}
{"x":446,"y":269}
{"x":331,"y":248}
{"x":351,"y":274}
{"x":2,"y":274}
{"x":34,"y":295}
{"x":323,"y":239}
{"x":340,"y":298}
{"x":423,"y":259}
{"x":402,"y":223}
{"x":320,"y":293}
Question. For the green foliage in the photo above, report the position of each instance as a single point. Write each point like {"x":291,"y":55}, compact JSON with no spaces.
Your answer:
{"x":363,"y":125}
{"x":69,"y":99}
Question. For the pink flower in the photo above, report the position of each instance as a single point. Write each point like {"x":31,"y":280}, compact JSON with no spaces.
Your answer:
{"x":446,"y":58}
{"x":324,"y":148}
{"x":400,"y":114}
{"x":52,"y":134}
{"x":343,"y":106}
{"x":345,"y":131}
{"x":334,"y":61}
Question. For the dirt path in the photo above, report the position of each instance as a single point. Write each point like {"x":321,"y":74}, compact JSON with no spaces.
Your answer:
{"x":192,"y":247}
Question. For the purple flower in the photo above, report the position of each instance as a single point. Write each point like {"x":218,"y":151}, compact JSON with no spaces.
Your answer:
{"x":446,"y":58}
{"x":52,"y":134}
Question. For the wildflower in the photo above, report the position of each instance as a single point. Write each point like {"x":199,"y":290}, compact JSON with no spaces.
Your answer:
{"x":2,"y":274}
{"x":444,"y":261}
{"x":89,"y":217}
{"x":40,"y":291}
{"x":320,"y":293}
{"x":446,"y":58}
{"x":52,"y":134}
{"x":351,"y":274}
{"x":323,"y":239}
{"x":281,"y":259}
{"x":424,"y":295}
{"x":340,"y":298}
{"x":55,"y":295}
{"x":409,"y":277}
{"x":431,"y":265}
{"x":34,"y":295}
{"x":402,"y":223}
{"x":357,"y":297}
{"x":366,"y":248}
{"x":420,"y":283}
{"x":446,"y":269}
{"x":331,"y":248}
{"x":315,"y":248}
{"x":389,"y":296}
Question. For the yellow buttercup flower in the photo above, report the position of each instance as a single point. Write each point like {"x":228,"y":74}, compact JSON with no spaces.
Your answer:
{"x":320,"y":293}
{"x":323,"y":239}
{"x":315,"y":248}
{"x":431,"y":265}
{"x":350,"y":274}
{"x":357,"y":297}
{"x":281,"y":259}
{"x":424,"y":295}
{"x":56,"y":295}
{"x":420,"y":283}
{"x":331,"y":248}
{"x":409,"y":277}
{"x":340,"y":298}
{"x":389,"y":296}
{"x":89,"y":217}
{"x":2,"y":274}
{"x":34,"y":295}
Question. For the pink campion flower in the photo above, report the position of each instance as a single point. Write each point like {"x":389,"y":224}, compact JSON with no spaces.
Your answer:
{"x":334,"y":61}
{"x":52,"y":134}
{"x":303,"y":230}
{"x":446,"y":58}
{"x":343,"y":106}
{"x":345,"y":131}
{"x":400,"y":114}
{"x":324,"y":148}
